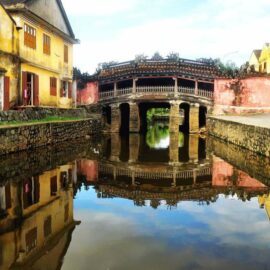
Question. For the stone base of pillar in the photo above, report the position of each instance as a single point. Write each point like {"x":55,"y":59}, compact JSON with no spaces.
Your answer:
{"x":134,"y":119}
{"x":174,"y":117}
{"x":134,"y":146}
{"x":194,"y":119}
{"x":116,"y":119}
{"x":174,"y":147}
{"x":115,"y":147}
{"x":194,"y":148}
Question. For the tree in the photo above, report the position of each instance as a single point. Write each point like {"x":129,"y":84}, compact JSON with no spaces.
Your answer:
{"x":173,"y":56}
{"x":81,"y":78}
{"x":157,"y":57}
{"x":140,"y":58}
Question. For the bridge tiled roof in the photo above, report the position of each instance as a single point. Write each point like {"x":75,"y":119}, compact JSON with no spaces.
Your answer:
{"x":148,"y":68}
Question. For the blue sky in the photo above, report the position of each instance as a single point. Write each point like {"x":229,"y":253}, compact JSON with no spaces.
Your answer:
{"x":120,"y":29}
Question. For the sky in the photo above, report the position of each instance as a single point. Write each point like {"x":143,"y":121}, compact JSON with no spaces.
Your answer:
{"x":121,"y":29}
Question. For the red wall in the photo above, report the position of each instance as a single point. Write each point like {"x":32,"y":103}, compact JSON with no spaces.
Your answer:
{"x":88,"y":95}
{"x":224,"y":175}
{"x":249,"y":95}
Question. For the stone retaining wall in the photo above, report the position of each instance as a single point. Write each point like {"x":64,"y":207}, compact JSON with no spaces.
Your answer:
{"x":256,"y":139}
{"x":38,"y":113}
{"x":17,"y":138}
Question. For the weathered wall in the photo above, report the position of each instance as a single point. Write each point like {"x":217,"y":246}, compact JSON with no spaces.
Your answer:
{"x":38,"y":113}
{"x":14,"y":139}
{"x":256,"y":139}
{"x":247,"y":95}
{"x":88,"y":95}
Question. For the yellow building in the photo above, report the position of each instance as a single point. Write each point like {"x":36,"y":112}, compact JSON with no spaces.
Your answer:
{"x":264,"y":60}
{"x":254,"y":60}
{"x":9,"y":60}
{"x":36,"y":219}
{"x":46,"y":52}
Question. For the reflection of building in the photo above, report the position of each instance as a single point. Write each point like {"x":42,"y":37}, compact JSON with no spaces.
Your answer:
{"x":264,"y":202}
{"x":37,"y":219}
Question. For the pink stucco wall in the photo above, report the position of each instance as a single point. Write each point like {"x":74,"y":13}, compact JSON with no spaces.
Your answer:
{"x":88,"y":168}
{"x":88,"y":95}
{"x":249,"y":95}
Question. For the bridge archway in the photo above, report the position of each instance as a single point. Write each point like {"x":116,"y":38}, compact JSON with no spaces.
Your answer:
{"x":125,"y":118}
{"x":185,"y":109}
{"x":107,"y":115}
{"x":144,"y":107}
{"x":202,"y":116}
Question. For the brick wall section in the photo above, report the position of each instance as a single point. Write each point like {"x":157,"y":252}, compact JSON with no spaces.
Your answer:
{"x":256,"y":139}
{"x":14,"y":139}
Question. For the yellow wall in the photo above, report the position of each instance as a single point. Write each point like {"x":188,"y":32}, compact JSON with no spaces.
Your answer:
{"x":265,"y":59}
{"x":46,"y":66}
{"x":254,"y":61}
{"x":8,"y":49}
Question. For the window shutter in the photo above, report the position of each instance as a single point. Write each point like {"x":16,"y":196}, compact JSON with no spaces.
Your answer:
{"x":53,"y":86}
{"x":69,"y":90}
{"x":36,"y":90}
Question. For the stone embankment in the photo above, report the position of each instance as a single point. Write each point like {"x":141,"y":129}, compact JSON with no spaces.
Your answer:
{"x":250,"y":132}
{"x":30,"y":136}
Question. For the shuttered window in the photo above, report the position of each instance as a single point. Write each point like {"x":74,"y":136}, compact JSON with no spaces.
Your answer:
{"x":46,"y":44}
{"x":53,"y":86}
{"x":30,"y":36}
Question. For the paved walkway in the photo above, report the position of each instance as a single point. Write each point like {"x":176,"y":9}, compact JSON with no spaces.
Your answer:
{"x":259,"y":120}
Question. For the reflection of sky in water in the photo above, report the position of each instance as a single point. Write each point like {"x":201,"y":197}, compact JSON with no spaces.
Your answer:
{"x":163,"y":143}
{"x":115,"y":234}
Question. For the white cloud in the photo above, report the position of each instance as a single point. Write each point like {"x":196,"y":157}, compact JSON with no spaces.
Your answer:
{"x":228,"y":29}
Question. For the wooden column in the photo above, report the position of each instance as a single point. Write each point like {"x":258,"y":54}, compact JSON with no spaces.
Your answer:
{"x":196,"y":88}
{"x":134,"y":85}
{"x":175,"y":86}
{"x":115,"y":89}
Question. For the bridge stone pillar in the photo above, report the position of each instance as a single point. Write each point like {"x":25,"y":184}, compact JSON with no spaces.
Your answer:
{"x":193,"y":147}
{"x":115,"y":118}
{"x":174,"y":147}
{"x":134,"y":146}
{"x":115,"y":147}
{"x":194,"y":118}
{"x":174,"y":116}
{"x":134,"y":119}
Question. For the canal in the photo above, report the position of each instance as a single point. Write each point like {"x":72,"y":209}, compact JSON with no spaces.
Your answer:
{"x":152,"y":201}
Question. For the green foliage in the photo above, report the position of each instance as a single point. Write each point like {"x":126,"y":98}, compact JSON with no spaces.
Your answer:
{"x":156,"y":112}
{"x":228,"y":69}
{"x":47,"y":119}
{"x":81,"y":78}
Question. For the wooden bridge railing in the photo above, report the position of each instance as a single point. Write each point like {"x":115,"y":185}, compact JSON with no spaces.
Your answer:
{"x":155,"y":89}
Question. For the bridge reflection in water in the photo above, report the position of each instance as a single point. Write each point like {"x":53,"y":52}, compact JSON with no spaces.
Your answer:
{"x":158,"y":169}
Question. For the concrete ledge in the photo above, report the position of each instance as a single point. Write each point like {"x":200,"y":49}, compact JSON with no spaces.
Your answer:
{"x":18,"y":138}
{"x":250,"y":136}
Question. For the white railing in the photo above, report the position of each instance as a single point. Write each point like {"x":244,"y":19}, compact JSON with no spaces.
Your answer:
{"x":124,"y":91}
{"x":205,"y":93}
{"x":155,"y":89}
{"x":106,"y":95}
{"x":186,"y":90}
